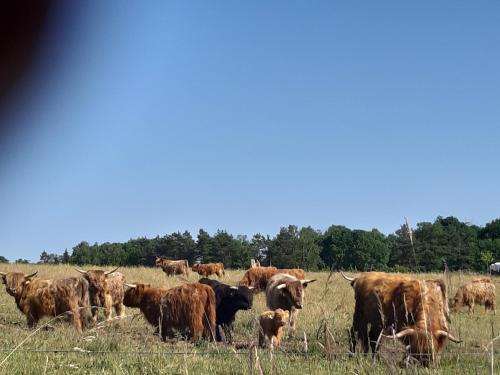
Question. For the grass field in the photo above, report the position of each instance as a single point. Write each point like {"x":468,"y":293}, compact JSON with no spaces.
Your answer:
{"x":320,"y":346}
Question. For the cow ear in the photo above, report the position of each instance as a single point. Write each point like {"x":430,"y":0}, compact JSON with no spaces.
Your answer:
{"x":281,"y":286}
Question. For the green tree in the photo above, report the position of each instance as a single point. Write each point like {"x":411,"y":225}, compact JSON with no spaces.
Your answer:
{"x":3,"y":259}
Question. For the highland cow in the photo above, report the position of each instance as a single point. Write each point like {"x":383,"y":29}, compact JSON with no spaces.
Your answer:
{"x":480,"y":292}
{"x":272,"y":325}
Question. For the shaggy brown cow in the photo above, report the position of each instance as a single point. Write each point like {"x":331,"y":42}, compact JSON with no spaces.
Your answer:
{"x":105,"y":290}
{"x":188,"y":309}
{"x":286,"y":292}
{"x":481,"y":292}
{"x":208,"y":269}
{"x":258,"y":277}
{"x":38,"y":298}
{"x":415,"y":309}
{"x":272,"y":325}
{"x":173,"y":267}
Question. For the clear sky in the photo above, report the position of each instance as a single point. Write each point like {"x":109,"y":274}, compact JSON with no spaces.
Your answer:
{"x":147,"y":118}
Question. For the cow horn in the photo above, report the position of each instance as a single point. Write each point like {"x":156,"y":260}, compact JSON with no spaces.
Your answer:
{"x":346,"y":277}
{"x":404,"y":333}
{"x":281,"y":286}
{"x":109,"y":272}
{"x":234,"y":287}
{"x":3,"y":274}
{"x":251,"y":287}
{"x":307,"y":281}
{"x":130,"y":285}
{"x":448,"y":335}
{"x":32,"y":275}
{"x":81,"y":271}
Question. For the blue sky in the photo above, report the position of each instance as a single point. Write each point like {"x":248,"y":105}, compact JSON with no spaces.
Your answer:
{"x":247,"y":116}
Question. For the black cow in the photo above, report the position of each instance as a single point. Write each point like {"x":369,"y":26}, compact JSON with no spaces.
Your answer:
{"x":229,"y":299}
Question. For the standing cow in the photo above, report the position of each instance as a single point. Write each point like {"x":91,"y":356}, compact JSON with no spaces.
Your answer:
{"x":286,"y":292}
{"x":229,"y":300}
{"x":173,"y":267}
{"x":37,"y":298}
{"x":188,"y":309}
{"x":416,"y":310}
{"x":479,"y":291}
{"x":258,"y":277}
{"x":105,"y":290}
{"x":208,"y":269}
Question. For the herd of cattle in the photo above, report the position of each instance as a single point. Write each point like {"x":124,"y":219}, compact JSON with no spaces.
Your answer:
{"x":414,"y":311}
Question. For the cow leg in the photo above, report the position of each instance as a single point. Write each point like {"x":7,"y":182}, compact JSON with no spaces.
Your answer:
{"x":293,"y":321}
{"x":353,"y":334}
{"x":108,"y":306}
{"x":31,"y":320}
{"x":77,"y":322}
{"x":374,"y":336}
{"x":120,"y":310}
{"x":262,"y":338}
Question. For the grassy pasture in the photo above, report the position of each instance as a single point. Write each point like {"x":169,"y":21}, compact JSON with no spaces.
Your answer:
{"x":129,"y":346}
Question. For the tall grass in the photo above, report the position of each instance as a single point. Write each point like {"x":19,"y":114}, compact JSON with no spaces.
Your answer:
{"x":128,"y":346}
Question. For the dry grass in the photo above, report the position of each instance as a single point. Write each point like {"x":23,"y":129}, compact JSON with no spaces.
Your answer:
{"x":129,"y":346}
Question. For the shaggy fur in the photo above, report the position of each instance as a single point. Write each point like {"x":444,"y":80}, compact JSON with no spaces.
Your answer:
{"x":188,"y":309}
{"x":173,"y":267}
{"x":478,"y":292}
{"x":209,"y":269}
{"x":290,"y":297}
{"x":272,"y":325}
{"x":38,"y":298}
{"x":105,"y":290}
{"x":415,"y":309}
{"x":258,"y":277}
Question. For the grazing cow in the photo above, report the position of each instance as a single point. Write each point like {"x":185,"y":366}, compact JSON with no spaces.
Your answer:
{"x":416,"y":311}
{"x":286,"y":292}
{"x":37,"y":298}
{"x":173,"y":267}
{"x":229,"y":300}
{"x":105,"y":290}
{"x":209,"y":269}
{"x":258,"y":277}
{"x":272,"y":325}
{"x":188,"y":309}
{"x":479,"y":291}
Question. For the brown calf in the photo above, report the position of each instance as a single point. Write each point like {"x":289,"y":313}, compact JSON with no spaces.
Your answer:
{"x":259,"y":277}
{"x":414,"y":309}
{"x":208,"y":269}
{"x":286,"y":292}
{"x":105,"y":290}
{"x":38,"y":298}
{"x":188,"y":309}
{"x":479,"y":292}
{"x":173,"y":267}
{"x":272,"y":325}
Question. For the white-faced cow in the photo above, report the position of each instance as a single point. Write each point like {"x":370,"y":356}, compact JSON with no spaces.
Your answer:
{"x":286,"y":292}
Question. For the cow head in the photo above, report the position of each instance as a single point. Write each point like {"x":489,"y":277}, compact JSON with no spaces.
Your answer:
{"x":294,"y":291}
{"x":423,"y":345}
{"x":159,"y":262}
{"x":195,"y":267}
{"x":96,"y":279}
{"x":14,"y":281}
{"x":280,"y":317}
{"x":241,"y":297}
{"x":133,"y":294}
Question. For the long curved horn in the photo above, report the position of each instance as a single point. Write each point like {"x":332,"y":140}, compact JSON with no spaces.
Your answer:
{"x":81,"y":271}
{"x":307,"y":281}
{"x":130,"y":285}
{"x":32,"y":275}
{"x":448,"y":335}
{"x":3,"y":274}
{"x":404,"y":333}
{"x":346,"y":277}
{"x":107,"y":273}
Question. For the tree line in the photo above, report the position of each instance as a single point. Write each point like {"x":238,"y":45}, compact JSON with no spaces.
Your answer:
{"x":427,"y":247}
